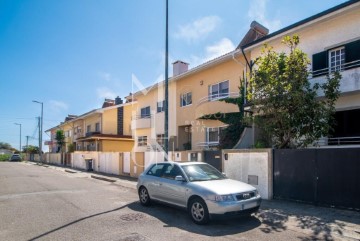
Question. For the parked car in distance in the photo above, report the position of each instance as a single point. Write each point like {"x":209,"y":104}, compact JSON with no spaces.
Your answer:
{"x":199,"y":188}
{"x":15,"y":157}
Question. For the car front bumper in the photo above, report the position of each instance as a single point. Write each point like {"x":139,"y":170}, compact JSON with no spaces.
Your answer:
{"x":234,"y":208}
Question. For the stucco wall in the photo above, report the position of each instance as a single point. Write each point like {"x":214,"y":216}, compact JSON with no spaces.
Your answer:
{"x":243,"y":165}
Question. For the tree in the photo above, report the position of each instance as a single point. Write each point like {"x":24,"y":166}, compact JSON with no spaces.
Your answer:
{"x":31,"y":149}
{"x":288,"y":108}
{"x":235,"y":120}
{"x":4,"y":145}
{"x":60,"y":139}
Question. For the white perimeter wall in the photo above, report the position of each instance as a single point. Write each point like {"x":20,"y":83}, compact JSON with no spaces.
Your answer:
{"x":239,"y":164}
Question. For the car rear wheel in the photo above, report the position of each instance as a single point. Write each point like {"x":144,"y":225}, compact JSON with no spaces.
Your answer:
{"x":144,"y":196}
{"x":198,"y":211}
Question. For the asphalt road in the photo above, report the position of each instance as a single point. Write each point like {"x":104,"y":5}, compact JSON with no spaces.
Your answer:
{"x":38,"y":203}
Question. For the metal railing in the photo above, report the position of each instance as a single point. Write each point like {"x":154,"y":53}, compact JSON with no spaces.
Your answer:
{"x":208,"y":144}
{"x":339,"y":141}
{"x":216,"y":97}
{"x":325,"y":71}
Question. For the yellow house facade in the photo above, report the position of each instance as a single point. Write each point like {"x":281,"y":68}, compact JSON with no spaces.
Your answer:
{"x":107,"y":129}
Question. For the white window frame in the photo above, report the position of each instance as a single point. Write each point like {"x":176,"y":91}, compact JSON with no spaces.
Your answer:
{"x":186,"y":99}
{"x":336,"y":59}
{"x":97,"y":127}
{"x":160,"y":139}
{"x":218,"y":95}
{"x":218,"y":129}
{"x":142,"y":140}
{"x":160,"y":106}
{"x":146,"y":115}
{"x":88,"y":128}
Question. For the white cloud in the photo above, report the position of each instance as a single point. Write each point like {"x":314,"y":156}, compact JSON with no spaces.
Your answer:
{"x":198,"y":29}
{"x":58,"y":105}
{"x":105,"y":76}
{"x":105,"y":93}
{"x":222,"y":47}
{"x":257,"y":12}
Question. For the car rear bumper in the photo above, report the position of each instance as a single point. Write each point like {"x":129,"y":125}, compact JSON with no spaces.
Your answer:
{"x":244,"y":207}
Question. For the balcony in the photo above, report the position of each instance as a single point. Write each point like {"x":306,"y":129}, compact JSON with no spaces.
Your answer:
{"x":91,"y":133}
{"x":141,"y":122}
{"x":210,"y":104}
{"x":350,"y":80}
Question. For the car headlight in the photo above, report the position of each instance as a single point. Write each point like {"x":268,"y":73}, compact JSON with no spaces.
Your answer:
{"x":224,"y":198}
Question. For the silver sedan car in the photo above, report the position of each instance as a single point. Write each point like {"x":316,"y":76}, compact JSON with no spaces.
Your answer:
{"x":198,"y":187}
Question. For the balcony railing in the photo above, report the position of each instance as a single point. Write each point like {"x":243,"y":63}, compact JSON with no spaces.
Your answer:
{"x":346,"y":66}
{"x":208,"y":144}
{"x":88,"y":134}
{"x":216,"y":97}
{"x":339,"y":141}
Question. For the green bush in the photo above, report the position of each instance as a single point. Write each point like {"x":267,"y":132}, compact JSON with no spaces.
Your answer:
{"x":4,"y":157}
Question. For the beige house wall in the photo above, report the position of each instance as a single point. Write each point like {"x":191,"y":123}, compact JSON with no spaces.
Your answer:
{"x":109,"y":121}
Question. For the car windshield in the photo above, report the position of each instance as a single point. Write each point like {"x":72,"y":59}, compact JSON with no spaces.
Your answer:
{"x":202,"y":172}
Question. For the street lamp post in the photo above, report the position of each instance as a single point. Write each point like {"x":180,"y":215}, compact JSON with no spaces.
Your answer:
{"x":20,"y":135}
{"x":41,"y":127}
{"x":166,"y":105}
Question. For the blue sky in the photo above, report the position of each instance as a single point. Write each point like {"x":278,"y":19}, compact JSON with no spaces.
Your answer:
{"x":72,"y":54}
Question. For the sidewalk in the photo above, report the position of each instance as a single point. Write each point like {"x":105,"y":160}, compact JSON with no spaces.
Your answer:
{"x":125,"y":181}
{"x":318,"y":223}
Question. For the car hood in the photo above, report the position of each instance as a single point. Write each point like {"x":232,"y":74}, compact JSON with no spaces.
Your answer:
{"x":224,"y":186}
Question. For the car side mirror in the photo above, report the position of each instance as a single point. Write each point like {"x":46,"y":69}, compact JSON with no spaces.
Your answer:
{"x":224,"y":174}
{"x":179,"y":178}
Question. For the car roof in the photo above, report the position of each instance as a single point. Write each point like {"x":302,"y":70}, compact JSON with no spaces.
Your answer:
{"x":184,"y":163}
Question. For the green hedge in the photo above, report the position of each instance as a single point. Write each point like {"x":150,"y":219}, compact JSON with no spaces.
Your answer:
{"x":4,"y":157}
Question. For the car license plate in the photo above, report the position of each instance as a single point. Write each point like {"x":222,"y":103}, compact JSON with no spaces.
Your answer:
{"x":249,"y":205}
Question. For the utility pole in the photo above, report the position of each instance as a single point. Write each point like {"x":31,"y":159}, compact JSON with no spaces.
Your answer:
{"x":20,"y":135}
{"x":39,"y":138}
{"x":27,"y":142}
{"x":40,"y":127}
{"x":166,"y":104}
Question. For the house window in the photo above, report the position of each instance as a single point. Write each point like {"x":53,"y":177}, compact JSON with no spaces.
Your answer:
{"x":213,"y":134}
{"x":142,"y":140}
{"x":218,"y":91}
{"x":88,"y":128}
{"x":160,"y":106}
{"x":337,"y":59}
{"x":186,"y":99}
{"x":97,"y":127}
{"x":145,"y":112}
{"x":160,"y":139}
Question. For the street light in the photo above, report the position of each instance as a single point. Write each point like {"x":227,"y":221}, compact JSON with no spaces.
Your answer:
{"x":20,"y":135}
{"x":41,"y":127}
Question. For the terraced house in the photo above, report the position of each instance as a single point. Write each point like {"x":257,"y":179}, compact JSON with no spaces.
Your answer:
{"x":106,"y":129}
{"x":331,"y":39}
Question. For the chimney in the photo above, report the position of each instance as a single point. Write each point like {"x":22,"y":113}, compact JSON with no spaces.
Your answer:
{"x":256,"y":31}
{"x":118,"y":101}
{"x":179,"y":67}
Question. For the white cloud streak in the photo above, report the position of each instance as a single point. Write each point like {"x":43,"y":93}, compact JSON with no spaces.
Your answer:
{"x":222,"y":47}
{"x":58,"y":106}
{"x":198,"y":29}
{"x":105,"y":93}
{"x":257,"y":12}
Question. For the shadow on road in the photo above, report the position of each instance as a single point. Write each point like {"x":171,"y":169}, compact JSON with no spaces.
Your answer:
{"x":76,"y":221}
{"x":178,"y":218}
{"x":318,"y":222}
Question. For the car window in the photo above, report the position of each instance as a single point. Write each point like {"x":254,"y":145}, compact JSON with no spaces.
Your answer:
{"x":171,"y":171}
{"x":156,"y":170}
{"x":202,"y":172}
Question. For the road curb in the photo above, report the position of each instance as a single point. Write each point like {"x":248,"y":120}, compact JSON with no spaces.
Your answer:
{"x":70,"y":171}
{"x":103,"y":178}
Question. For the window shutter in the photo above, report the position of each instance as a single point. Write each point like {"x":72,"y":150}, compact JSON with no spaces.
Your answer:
{"x":352,"y":53}
{"x":320,"y":63}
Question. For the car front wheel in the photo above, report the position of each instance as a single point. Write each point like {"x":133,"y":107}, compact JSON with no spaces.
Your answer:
{"x":198,"y":211}
{"x":144,"y":196}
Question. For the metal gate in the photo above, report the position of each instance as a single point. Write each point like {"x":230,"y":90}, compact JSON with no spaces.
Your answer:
{"x":213,"y":158}
{"x":320,"y":176}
